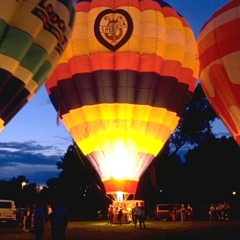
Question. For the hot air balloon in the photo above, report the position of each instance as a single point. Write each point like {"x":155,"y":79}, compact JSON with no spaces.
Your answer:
{"x":123,"y":84}
{"x":219,"y":55}
{"x":33,"y":36}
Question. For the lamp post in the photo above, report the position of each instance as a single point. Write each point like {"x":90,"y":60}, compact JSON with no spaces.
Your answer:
{"x":23,"y":184}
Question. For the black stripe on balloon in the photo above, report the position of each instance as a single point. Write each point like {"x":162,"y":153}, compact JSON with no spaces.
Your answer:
{"x":120,"y":87}
{"x":13,"y":95}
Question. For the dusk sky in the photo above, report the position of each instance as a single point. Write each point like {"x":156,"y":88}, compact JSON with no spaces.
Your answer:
{"x":32,"y":142}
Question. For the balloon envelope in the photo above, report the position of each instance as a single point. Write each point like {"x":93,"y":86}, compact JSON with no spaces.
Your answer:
{"x":33,"y":36}
{"x":219,"y":55}
{"x":123,"y":84}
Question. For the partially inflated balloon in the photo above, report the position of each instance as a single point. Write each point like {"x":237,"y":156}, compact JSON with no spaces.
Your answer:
{"x":123,"y":84}
{"x":219,"y":55}
{"x":33,"y":36}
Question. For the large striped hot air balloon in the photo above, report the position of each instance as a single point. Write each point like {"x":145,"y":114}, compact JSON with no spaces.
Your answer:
{"x":33,"y":36}
{"x":219,"y":55}
{"x":123,"y":84}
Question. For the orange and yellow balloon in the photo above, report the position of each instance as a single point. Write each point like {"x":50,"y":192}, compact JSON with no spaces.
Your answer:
{"x":219,"y":55}
{"x":123,"y":84}
{"x":33,"y":36}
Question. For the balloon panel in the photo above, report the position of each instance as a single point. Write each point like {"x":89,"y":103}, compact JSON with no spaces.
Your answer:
{"x":33,"y":36}
{"x":123,"y":84}
{"x":219,"y":54}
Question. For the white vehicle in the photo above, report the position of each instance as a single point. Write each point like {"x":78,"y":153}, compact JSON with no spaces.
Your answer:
{"x":7,"y":211}
{"x":162,"y":211}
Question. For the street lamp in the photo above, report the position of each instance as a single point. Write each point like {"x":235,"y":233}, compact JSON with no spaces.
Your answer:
{"x":23,"y":184}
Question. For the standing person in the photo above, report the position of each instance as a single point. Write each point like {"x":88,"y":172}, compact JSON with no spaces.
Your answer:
{"x":173,"y":214}
{"x":24,"y":220}
{"x":28,"y":218}
{"x":119,"y":215}
{"x":19,"y":215}
{"x":183,"y":213}
{"x":38,"y":218}
{"x":218,"y":211}
{"x":136,"y":214}
{"x":48,"y":212}
{"x":54,"y":206}
{"x":61,"y":221}
{"x":142,"y":216}
{"x":189,"y":213}
{"x":110,"y":215}
{"x":212,"y":212}
{"x":225,"y":211}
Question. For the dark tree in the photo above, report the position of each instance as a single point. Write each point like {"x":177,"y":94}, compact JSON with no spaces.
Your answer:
{"x":213,"y":169}
{"x":80,"y":184}
{"x":196,"y":123}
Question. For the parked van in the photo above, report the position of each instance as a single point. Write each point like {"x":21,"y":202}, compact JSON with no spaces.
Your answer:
{"x":162,"y":211}
{"x":7,"y":211}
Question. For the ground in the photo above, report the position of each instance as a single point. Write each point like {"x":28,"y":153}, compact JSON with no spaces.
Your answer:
{"x":164,"y":230}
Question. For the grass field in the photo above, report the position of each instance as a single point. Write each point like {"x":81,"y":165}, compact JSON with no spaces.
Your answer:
{"x":156,"y":230}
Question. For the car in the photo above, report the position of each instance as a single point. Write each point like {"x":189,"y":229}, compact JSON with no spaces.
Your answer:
{"x":8,"y":211}
{"x":163,"y":210}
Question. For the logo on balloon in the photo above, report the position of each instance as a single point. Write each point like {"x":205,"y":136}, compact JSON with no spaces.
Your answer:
{"x":113,"y":28}
{"x":52,"y":23}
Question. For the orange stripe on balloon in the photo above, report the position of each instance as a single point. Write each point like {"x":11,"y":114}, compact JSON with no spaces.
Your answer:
{"x":151,"y":129}
{"x":129,"y":61}
{"x":83,"y":7}
{"x":61,"y":72}
{"x":225,"y":95}
{"x":127,"y":3}
{"x":219,"y":50}
{"x":113,"y":4}
{"x":217,"y":44}
{"x":100,"y":3}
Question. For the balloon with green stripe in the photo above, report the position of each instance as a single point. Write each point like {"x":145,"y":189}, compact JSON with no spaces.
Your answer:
{"x":33,"y":36}
{"x":123,"y":84}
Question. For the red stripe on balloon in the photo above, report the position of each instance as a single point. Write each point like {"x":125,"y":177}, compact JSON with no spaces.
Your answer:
{"x":125,"y":186}
{"x":217,"y":44}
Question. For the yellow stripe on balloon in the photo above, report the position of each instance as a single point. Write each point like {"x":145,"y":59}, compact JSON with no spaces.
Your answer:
{"x":142,"y":144}
{"x":1,"y":124}
{"x":94,"y":125}
{"x":113,"y":111}
{"x":11,"y":65}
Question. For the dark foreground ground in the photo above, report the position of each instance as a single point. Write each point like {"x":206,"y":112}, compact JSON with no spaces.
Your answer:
{"x":156,"y":230}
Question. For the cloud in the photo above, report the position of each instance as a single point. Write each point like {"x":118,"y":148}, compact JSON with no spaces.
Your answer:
{"x":30,"y":159}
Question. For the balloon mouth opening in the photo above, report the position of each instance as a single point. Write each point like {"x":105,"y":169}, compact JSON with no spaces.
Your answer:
{"x":120,"y":189}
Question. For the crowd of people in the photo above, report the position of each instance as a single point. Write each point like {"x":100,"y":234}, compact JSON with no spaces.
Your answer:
{"x":36,"y":218}
{"x":216,"y":212}
{"x":120,"y":213}
{"x":219,"y":212}
{"x":186,"y":213}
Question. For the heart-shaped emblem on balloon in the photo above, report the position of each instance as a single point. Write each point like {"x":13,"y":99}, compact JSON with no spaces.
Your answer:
{"x":113,"y":28}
